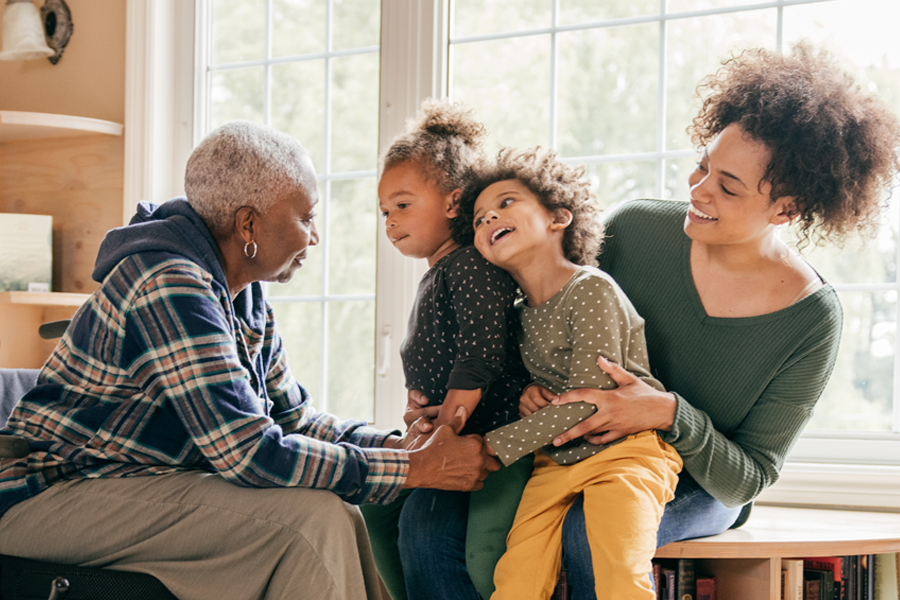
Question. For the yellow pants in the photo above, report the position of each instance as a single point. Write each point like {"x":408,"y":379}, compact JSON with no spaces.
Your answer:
{"x":625,"y":489}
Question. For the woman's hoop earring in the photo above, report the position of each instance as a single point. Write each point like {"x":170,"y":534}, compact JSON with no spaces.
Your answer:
{"x":247,"y":252}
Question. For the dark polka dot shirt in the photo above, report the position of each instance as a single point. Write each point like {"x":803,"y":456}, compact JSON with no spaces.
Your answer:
{"x":463,"y":334}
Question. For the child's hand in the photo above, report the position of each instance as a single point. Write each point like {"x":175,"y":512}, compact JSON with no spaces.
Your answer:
{"x":534,"y":398}
{"x":488,"y":449}
{"x":417,"y":407}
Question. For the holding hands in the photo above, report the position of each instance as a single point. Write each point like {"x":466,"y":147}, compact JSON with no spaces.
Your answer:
{"x":441,"y":458}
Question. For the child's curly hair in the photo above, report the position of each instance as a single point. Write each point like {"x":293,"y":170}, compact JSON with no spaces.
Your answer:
{"x":443,"y":139}
{"x":556,"y":185}
{"x":834,"y":148}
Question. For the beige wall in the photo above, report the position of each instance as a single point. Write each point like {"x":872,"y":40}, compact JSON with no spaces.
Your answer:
{"x":89,"y":79}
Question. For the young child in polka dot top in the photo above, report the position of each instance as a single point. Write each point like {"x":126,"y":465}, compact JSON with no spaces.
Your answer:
{"x":461,"y":347}
{"x":536,"y":218}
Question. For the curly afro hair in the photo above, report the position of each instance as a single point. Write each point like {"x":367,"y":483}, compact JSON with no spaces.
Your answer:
{"x":556,"y":185}
{"x":443,"y":139}
{"x":834,"y":148}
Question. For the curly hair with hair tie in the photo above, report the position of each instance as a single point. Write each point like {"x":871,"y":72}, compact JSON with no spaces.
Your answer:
{"x":834,"y":148}
{"x":443,"y":139}
{"x":556,"y":185}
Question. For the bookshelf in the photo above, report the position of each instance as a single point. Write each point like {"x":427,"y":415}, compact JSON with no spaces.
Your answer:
{"x":747,"y":561}
{"x":71,"y":168}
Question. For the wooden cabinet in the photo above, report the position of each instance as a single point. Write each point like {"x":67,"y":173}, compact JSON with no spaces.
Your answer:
{"x":70,"y":168}
{"x":747,"y":561}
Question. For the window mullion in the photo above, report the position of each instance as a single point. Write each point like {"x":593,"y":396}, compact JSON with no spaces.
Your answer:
{"x":554,"y":76}
{"x":661,"y":104}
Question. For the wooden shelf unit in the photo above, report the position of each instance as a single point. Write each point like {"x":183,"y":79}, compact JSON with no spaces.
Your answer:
{"x":747,"y":561}
{"x":21,"y":314}
{"x":73,"y":169}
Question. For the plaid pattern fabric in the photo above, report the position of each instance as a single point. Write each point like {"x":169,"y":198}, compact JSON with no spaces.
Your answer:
{"x":160,"y":371}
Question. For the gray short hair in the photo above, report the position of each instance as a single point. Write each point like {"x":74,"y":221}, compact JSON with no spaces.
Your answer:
{"x":240,"y":164}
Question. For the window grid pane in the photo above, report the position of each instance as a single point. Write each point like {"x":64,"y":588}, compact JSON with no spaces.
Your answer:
{"x":310,"y":68}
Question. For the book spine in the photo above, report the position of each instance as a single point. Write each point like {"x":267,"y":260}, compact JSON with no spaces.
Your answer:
{"x":706,"y":588}
{"x":657,"y":584}
{"x":687,"y":580}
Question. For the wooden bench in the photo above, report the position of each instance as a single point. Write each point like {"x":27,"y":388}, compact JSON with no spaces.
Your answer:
{"x":747,"y":561}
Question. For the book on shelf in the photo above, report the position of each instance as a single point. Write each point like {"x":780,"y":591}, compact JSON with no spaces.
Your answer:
{"x":671,"y":581}
{"x":562,"y":591}
{"x":686,"y":580}
{"x":706,"y":588}
{"x":26,"y":252}
{"x":835,"y":564}
{"x":676,"y":579}
{"x":887,"y":576}
{"x":793,"y":578}
{"x":862,"y":580}
{"x":824,"y":583}
{"x":657,"y":582}
{"x":812,"y":589}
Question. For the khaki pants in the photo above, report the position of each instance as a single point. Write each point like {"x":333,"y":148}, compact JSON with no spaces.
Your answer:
{"x":202,"y":537}
{"x":625,"y":489}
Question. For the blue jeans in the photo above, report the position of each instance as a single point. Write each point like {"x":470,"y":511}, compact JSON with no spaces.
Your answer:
{"x":433,"y":545}
{"x":449,"y":542}
{"x":692,"y":513}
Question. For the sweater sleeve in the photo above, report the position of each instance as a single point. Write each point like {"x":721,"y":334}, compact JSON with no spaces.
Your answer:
{"x":182,"y":351}
{"x":735,"y":469}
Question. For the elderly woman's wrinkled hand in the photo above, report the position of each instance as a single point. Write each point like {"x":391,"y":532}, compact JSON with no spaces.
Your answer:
{"x":417,"y":434}
{"x":448,"y":461}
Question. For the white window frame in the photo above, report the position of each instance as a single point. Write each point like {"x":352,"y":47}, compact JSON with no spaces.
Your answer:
{"x":160,"y":132}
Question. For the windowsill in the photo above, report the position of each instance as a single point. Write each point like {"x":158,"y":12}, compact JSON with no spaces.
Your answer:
{"x":871,"y":487}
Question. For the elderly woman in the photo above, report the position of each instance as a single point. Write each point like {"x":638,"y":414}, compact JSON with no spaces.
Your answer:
{"x":168,"y":435}
{"x":741,"y":331}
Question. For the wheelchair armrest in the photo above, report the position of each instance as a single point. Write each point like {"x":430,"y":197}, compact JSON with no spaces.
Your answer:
{"x":13,"y":447}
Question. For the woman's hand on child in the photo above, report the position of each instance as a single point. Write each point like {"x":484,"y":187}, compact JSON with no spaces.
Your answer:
{"x":631,"y":407}
{"x":534,"y":398}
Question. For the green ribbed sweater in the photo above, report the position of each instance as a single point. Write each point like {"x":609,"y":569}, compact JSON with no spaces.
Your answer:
{"x":746,"y":387}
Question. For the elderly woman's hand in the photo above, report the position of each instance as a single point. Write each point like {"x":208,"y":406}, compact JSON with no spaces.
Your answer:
{"x":448,"y":461}
{"x":631,"y":407}
{"x":415,"y":437}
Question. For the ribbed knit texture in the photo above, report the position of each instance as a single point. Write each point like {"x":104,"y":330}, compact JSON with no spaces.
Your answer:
{"x":746,"y":387}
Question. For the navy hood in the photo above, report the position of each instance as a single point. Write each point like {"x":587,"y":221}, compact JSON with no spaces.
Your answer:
{"x":174,"y":227}
{"x":169,"y":227}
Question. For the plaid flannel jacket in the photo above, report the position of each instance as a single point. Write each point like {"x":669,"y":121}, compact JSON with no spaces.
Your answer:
{"x":160,"y":371}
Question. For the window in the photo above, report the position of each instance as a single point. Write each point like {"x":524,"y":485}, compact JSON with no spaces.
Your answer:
{"x":310,"y":68}
{"x":608,"y":84}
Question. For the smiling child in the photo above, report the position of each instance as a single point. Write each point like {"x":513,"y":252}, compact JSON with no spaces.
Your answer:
{"x":536,"y":218}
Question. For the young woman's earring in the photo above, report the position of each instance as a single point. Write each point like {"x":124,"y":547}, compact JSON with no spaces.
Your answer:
{"x":247,"y":251}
